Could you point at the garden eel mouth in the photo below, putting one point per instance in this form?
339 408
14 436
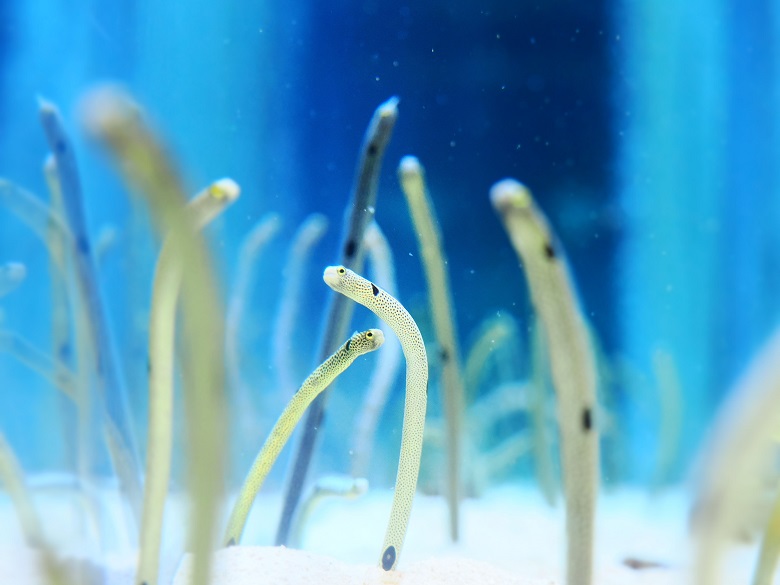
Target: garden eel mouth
387 308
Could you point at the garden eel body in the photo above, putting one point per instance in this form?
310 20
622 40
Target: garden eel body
360 290
740 449
572 364
770 548
112 117
411 176
111 386
380 259
57 245
319 380
54 370
162 331
360 212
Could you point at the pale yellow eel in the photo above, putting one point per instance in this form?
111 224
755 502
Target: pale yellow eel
382 381
572 364
319 380
387 308
740 449
13 482
412 178
770 547
206 206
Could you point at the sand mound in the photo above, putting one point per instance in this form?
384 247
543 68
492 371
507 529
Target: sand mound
257 565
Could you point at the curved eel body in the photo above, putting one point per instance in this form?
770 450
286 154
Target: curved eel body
360 212
319 380
345 281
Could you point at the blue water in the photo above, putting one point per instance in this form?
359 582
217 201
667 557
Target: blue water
647 130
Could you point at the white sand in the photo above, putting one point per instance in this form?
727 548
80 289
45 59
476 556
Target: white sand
509 536
281 566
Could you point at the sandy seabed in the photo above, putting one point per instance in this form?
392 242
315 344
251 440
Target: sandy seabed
508 536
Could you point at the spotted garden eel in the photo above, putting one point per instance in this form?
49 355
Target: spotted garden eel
109 377
12 274
380 259
360 212
206 206
572 364
319 380
12 481
770 548
740 449
112 117
412 178
345 281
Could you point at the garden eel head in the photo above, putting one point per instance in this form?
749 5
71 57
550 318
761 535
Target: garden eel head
365 341
224 190
510 198
352 285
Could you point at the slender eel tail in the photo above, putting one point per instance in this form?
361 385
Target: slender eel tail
357 345
205 207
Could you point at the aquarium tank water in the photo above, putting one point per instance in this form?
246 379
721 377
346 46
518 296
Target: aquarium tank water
389 292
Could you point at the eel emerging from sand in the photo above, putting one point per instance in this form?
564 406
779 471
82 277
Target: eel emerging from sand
572 363
319 380
12 481
204 208
345 281
111 117
426 226
360 213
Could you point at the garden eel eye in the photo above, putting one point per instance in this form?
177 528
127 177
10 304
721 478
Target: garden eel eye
342 270
369 335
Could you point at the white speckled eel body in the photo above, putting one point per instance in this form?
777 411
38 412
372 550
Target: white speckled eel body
388 309
572 363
